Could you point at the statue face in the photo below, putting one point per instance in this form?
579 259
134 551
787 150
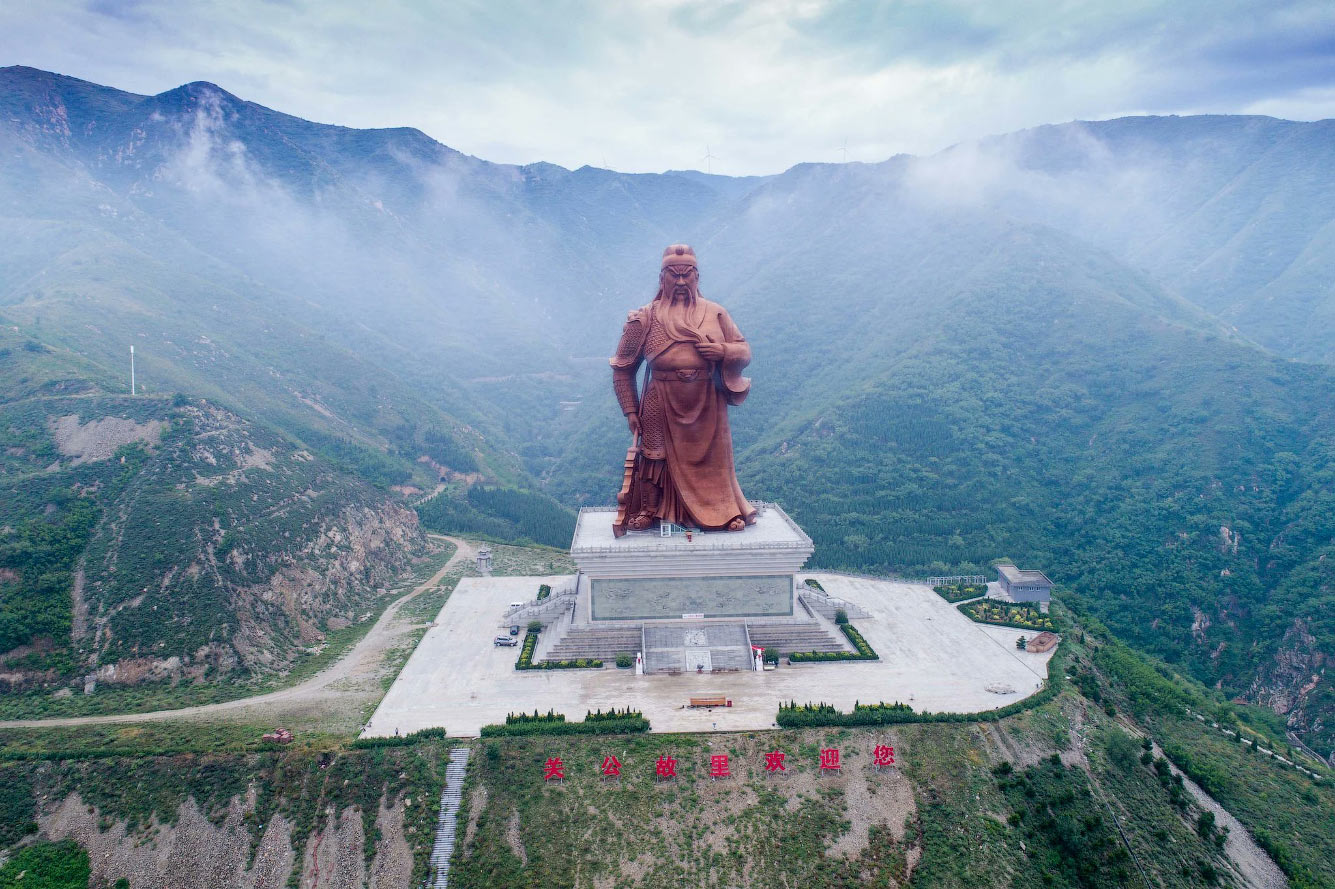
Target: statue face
680 280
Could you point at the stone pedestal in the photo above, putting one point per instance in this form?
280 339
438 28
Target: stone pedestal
712 575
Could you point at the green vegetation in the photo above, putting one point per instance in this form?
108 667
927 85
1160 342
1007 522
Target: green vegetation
864 651
613 722
503 513
525 661
1008 614
407 740
62 865
814 584
958 592
1284 809
1065 833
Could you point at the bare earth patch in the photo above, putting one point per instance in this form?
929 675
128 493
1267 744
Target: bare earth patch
99 439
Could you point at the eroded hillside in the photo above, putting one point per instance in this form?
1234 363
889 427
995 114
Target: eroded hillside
148 539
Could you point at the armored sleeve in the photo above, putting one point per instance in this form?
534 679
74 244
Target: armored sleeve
626 363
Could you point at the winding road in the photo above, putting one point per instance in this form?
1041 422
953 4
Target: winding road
362 660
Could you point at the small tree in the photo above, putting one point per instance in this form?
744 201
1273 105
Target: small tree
840 616
535 626
1022 644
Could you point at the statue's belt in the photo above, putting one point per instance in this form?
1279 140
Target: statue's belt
692 375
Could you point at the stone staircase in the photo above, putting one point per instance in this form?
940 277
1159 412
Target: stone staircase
447 821
793 636
603 643
541 609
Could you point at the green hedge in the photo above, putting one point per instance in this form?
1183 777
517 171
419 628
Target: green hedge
525 661
814 584
864 651
1039 622
794 715
614 722
958 592
398 740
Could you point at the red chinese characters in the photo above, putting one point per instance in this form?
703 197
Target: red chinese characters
554 770
883 756
611 767
665 767
829 759
718 766
774 761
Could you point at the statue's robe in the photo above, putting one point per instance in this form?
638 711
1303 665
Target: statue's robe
686 444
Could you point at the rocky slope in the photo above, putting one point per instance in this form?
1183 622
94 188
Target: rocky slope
210 547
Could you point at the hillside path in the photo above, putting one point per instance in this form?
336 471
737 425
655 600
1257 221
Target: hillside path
362 661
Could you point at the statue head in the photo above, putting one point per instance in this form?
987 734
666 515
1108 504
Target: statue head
679 277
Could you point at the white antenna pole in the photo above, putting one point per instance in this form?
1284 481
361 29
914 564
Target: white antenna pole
132 370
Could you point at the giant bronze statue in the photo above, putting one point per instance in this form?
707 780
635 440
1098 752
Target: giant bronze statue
679 467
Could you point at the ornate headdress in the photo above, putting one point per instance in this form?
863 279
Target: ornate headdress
679 254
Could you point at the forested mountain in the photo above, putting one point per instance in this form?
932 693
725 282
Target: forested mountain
1072 346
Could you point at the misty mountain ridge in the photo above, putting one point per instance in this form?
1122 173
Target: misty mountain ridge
1078 346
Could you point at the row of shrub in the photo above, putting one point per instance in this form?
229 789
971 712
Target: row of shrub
535 716
864 650
525 661
425 734
615 722
1007 614
794 715
958 592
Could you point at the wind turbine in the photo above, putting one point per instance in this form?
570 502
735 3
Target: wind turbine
709 160
844 149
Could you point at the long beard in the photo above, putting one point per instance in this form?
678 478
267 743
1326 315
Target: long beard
679 314
668 296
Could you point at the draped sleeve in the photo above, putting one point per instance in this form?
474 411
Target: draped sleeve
736 356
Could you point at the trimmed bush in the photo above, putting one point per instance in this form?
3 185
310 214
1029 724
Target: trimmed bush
1007 614
614 722
840 616
958 592
814 584
525 661
624 660
864 651
544 591
425 734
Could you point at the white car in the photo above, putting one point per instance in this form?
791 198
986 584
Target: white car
507 641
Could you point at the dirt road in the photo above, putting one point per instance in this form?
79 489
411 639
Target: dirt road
352 673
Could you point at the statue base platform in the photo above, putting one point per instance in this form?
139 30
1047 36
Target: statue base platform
689 576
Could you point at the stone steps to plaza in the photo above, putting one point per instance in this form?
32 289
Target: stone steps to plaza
603 643
446 822
790 637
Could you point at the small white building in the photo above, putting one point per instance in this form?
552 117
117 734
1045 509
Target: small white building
1024 586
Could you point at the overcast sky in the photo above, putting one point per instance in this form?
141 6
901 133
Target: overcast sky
646 86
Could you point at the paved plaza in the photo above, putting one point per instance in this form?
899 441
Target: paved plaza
932 657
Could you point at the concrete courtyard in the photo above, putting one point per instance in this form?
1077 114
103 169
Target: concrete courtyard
932 657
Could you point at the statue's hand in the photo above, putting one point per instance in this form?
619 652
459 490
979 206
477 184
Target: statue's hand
633 421
710 351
